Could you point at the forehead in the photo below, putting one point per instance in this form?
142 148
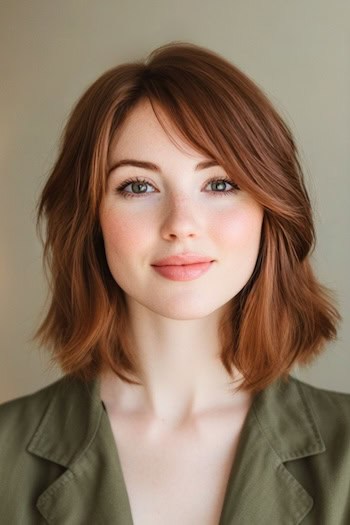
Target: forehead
142 135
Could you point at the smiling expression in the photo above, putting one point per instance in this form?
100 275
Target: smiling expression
179 202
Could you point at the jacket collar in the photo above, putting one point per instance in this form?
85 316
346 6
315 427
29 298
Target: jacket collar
70 422
279 427
75 433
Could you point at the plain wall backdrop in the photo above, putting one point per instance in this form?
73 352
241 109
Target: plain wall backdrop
298 52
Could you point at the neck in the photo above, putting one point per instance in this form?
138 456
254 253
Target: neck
181 373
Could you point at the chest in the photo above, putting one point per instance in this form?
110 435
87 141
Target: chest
179 477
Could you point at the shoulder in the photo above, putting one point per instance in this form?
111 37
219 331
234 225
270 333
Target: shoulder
31 401
40 434
330 411
28 404
326 403
68 408
20 417
296 416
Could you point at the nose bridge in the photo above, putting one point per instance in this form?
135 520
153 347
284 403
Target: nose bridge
181 215
180 206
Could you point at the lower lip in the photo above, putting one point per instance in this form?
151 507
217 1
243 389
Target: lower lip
185 272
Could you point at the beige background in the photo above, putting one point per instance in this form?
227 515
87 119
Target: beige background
52 50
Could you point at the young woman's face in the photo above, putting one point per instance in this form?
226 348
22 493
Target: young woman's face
171 211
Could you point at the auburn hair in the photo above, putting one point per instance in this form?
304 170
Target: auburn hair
283 315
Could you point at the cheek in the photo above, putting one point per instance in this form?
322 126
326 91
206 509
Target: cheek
122 235
240 228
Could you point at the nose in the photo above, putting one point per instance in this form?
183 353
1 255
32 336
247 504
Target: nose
181 219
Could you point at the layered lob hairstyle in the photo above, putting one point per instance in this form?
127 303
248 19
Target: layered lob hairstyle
282 317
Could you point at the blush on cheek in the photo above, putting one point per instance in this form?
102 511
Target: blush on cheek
122 232
241 225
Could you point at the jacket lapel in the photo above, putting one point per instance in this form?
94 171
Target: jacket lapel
279 427
75 433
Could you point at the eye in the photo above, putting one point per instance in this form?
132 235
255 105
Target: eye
221 183
137 184
140 186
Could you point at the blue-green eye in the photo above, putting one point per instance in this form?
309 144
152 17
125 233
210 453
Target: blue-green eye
140 186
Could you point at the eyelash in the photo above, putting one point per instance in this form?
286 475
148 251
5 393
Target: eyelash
127 194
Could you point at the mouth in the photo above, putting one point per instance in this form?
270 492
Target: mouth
183 259
183 272
182 264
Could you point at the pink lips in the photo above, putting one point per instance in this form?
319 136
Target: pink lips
184 267
183 258
187 272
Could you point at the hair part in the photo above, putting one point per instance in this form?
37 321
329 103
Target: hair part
283 316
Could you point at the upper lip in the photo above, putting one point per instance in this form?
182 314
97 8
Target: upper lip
182 258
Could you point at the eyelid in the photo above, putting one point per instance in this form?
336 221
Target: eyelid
221 176
126 194
143 180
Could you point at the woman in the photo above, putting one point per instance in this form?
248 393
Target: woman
178 241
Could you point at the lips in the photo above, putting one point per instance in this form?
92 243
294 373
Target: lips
182 259
183 272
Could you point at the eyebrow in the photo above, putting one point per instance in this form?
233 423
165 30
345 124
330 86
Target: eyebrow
153 167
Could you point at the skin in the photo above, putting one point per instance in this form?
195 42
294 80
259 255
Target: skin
174 324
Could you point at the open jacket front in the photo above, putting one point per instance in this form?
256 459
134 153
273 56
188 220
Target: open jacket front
59 463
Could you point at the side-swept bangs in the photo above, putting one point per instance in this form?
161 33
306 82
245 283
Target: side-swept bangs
282 317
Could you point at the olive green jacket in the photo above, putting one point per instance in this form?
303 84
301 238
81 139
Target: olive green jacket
59 463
